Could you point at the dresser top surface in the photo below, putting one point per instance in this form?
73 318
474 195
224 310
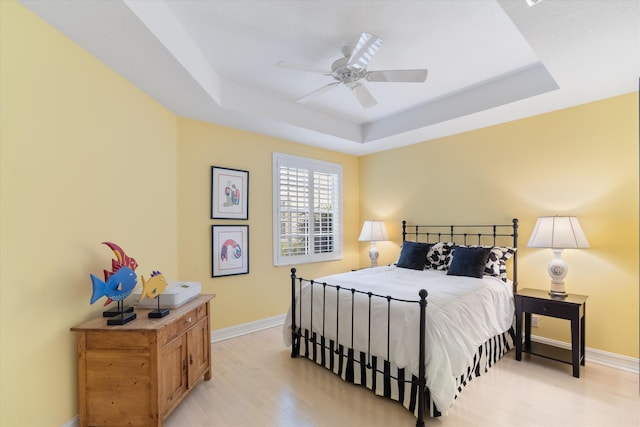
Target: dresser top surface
142 321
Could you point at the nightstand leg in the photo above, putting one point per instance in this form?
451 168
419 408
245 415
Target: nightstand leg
576 346
518 329
527 331
582 334
518 337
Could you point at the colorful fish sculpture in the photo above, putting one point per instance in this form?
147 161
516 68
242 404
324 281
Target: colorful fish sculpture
119 285
154 287
122 260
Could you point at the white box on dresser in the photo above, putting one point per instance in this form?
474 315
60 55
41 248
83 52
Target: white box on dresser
176 294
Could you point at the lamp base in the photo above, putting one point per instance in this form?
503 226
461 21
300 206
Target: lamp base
557 289
558 294
557 270
373 254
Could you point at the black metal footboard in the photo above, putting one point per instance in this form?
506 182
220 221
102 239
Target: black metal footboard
365 358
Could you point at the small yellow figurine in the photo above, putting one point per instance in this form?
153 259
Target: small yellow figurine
154 287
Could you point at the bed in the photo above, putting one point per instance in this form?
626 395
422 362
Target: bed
418 330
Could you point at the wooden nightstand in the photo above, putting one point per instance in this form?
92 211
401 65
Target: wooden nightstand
572 307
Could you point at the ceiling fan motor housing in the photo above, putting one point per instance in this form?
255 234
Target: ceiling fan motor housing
342 72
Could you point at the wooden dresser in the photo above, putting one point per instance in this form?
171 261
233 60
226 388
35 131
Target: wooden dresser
136 374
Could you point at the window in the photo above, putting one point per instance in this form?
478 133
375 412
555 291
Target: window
307 210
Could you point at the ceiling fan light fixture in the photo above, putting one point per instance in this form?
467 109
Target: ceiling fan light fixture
532 3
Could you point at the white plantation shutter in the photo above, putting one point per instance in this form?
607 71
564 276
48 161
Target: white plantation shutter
307 210
294 211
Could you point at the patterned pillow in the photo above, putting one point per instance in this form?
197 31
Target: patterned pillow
439 256
497 262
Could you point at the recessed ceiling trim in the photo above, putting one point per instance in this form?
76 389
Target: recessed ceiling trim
244 99
511 87
161 22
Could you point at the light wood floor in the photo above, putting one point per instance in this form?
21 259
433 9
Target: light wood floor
256 383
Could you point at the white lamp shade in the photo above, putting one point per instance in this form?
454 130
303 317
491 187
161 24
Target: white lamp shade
558 232
373 231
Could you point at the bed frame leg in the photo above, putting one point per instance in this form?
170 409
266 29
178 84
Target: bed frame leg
295 337
422 382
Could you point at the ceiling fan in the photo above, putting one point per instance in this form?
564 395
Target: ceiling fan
351 71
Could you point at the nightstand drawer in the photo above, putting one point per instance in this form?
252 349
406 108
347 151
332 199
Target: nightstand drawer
549 308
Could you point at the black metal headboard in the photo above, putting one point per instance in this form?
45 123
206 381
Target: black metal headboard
494 235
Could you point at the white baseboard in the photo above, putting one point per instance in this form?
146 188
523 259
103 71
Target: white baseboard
73 422
624 363
613 360
247 328
617 361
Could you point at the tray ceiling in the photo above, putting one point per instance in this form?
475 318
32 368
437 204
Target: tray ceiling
489 61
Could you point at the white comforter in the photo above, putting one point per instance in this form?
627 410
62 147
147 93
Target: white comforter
462 313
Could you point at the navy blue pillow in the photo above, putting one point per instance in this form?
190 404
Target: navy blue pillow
413 255
468 262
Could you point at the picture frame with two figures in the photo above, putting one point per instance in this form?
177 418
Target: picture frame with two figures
229 193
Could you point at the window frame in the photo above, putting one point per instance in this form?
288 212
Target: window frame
312 166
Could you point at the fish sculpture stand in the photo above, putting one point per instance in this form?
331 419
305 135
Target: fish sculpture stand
121 260
153 288
119 308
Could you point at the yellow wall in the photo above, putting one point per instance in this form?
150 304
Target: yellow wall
84 157
580 161
265 291
87 157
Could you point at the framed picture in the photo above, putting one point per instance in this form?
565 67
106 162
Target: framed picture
229 193
229 250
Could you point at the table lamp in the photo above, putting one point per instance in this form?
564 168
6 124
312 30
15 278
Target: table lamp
373 231
558 233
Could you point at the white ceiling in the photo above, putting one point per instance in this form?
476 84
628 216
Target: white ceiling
489 61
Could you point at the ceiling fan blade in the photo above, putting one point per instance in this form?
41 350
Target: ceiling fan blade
364 96
367 46
316 92
301 67
405 76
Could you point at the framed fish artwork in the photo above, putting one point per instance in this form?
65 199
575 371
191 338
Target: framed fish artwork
229 193
229 250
